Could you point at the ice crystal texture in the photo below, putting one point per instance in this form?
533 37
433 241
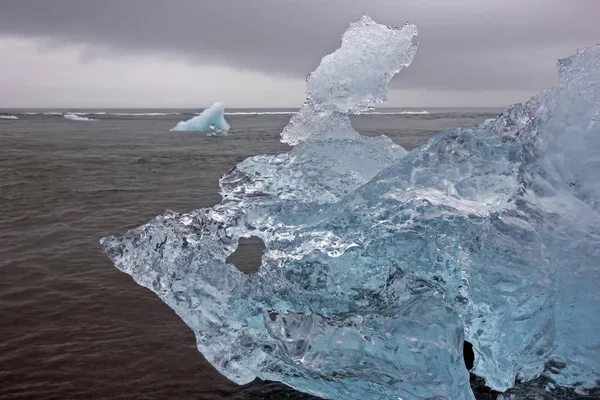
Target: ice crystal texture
378 262
351 79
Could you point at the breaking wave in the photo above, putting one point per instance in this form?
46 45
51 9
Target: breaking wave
398 112
73 117
261 113
144 114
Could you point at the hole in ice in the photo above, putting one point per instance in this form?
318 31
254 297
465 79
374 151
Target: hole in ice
468 355
248 255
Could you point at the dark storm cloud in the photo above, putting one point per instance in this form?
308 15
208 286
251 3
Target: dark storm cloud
464 44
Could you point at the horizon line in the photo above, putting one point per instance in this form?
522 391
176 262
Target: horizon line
233 108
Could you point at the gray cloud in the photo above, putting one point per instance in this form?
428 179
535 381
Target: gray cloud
464 44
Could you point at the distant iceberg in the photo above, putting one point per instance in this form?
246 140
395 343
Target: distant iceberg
8 117
211 121
73 117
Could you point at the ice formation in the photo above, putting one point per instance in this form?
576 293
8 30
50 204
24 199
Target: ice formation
8 117
211 121
330 97
378 262
74 117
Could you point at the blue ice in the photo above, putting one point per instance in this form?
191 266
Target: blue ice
211 121
379 262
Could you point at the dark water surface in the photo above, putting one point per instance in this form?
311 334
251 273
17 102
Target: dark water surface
73 326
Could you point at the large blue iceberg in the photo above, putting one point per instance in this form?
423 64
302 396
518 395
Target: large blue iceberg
210 121
380 263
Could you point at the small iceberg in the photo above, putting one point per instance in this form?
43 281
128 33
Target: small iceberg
8 117
73 117
210 121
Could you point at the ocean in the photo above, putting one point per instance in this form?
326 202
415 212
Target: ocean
72 325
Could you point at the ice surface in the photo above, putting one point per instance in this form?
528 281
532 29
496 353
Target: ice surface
351 79
379 263
8 117
313 172
211 121
74 117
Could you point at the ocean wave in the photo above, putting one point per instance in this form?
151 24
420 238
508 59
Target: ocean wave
89 113
398 112
53 113
261 113
150 114
8 117
158 114
73 117
133 114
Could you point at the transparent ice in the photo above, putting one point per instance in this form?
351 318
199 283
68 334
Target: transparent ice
380 263
351 79
210 121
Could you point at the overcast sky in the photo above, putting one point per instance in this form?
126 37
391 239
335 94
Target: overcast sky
256 53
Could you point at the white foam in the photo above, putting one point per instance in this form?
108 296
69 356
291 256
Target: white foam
398 112
89 113
150 114
295 112
8 117
261 113
73 117
414 112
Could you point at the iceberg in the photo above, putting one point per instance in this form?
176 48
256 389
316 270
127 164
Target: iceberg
8 117
380 263
74 117
210 121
